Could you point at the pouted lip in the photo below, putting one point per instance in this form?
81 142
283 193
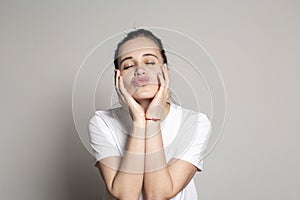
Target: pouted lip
141 80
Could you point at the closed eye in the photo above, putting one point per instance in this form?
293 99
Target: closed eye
127 67
150 63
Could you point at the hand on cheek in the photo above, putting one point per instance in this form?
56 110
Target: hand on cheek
126 100
157 105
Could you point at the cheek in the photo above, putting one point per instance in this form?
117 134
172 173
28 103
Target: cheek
154 74
127 78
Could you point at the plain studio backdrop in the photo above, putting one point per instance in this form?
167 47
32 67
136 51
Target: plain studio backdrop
255 45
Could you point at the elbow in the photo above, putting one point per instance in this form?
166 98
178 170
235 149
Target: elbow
113 194
124 195
157 195
163 192
153 196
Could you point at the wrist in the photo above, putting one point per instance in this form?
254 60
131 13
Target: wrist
154 119
139 122
155 112
152 128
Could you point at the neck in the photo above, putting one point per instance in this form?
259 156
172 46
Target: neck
146 102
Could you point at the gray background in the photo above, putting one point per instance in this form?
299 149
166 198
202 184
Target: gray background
254 43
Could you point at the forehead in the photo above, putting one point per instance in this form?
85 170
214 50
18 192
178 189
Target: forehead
139 44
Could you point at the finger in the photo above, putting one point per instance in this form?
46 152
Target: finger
162 83
117 75
164 89
164 74
163 67
117 80
120 95
167 76
130 102
122 88
161 80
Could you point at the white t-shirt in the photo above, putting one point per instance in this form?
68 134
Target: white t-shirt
185 135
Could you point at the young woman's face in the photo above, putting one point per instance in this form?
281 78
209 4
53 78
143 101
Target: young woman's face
140 61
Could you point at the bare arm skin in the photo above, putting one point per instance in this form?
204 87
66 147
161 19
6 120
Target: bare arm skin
143 167
162 181
123 177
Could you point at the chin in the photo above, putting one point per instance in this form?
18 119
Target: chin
145 93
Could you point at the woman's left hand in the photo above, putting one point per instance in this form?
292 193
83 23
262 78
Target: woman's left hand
157 105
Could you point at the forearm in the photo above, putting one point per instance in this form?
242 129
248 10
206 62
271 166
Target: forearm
157 180
128 181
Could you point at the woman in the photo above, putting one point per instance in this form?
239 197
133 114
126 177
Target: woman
150 148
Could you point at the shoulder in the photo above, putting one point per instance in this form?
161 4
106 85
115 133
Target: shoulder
107 115
191 115
115 120
107 118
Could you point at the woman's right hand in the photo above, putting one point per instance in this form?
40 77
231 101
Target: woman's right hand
136 111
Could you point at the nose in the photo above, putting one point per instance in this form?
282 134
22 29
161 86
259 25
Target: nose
140 70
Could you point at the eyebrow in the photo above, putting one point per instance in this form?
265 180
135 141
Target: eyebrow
144 55
127 58
150 54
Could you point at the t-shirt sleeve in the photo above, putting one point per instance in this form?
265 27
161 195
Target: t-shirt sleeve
199 129
101 138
